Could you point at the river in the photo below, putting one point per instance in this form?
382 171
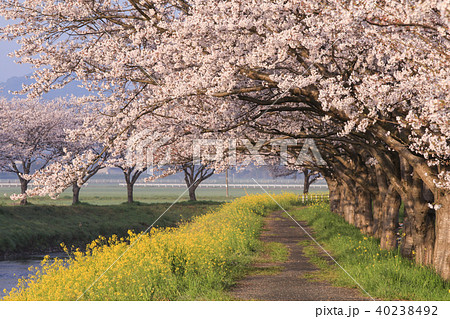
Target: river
12 270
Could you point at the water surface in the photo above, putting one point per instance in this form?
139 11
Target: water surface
12 270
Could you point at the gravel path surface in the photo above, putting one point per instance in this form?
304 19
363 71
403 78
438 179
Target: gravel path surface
289 283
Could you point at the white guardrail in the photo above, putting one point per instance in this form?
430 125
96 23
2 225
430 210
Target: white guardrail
205 185
314 197
9 184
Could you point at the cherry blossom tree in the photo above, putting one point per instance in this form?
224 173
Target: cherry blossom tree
309 176
80 159
194 175
374 74
32 134
89 172
68 172
131 166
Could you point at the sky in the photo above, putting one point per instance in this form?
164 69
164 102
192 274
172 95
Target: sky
8 68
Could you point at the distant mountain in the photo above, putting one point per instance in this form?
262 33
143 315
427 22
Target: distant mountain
15 84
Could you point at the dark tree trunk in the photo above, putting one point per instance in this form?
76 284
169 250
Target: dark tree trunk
23 190
306 185
377 206
407 243
356 194
130 193
334 193
380 205
75 193
342 194
420 218
335 199
309 177
192 193
391 206
131 175
441 257
26 167
349 202
386 207
189 178
423 230
193 176
364 214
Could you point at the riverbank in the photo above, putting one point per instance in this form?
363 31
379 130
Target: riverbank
13 270
199 260
33 229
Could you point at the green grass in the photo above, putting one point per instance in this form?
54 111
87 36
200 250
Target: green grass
384 275
96 194
199 260
264 271
268 253
273 252
315 255
39 228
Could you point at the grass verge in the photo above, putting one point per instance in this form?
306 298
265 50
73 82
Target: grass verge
383 274
198 260
25 229
272 252
267 261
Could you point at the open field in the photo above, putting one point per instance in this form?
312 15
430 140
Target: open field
114 194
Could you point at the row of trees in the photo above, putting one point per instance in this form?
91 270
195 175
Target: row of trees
367 80
40 140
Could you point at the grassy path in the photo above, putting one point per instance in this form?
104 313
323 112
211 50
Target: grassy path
288 280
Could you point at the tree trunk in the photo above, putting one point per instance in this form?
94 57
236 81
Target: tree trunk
333 188
423 231
391 206
377 206
379 202
193 176
130 192
387 202
420 219
349 203
306 184
441 257
407 244
364 214
341 203
421 223
192 193
23 190
75 193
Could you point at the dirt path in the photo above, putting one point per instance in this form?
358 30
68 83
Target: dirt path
289 283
